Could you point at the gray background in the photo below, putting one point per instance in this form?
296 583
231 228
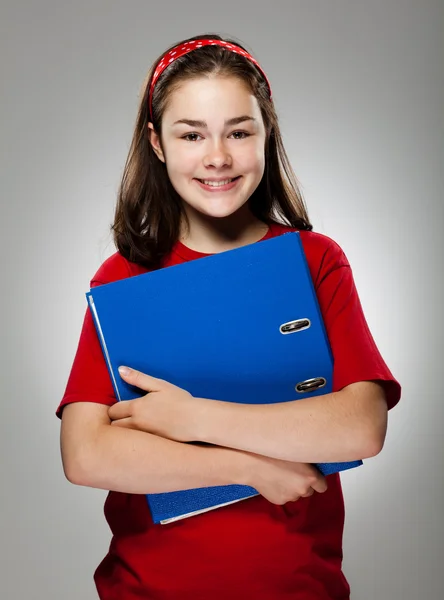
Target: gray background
359 90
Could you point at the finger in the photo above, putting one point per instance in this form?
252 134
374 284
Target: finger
127 423
308 493
141 380
121 410
294 499
320 485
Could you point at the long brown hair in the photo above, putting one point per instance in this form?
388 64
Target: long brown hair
149 210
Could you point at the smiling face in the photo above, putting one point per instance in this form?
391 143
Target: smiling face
212 142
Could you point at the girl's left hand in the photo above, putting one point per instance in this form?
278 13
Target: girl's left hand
167 411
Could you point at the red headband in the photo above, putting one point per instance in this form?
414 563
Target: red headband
182 49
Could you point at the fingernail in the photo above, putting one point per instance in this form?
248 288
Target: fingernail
124 370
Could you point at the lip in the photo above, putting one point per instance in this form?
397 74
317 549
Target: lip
219 188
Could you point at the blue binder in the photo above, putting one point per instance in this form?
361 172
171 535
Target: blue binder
240 326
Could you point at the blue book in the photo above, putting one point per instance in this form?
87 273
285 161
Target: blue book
239 326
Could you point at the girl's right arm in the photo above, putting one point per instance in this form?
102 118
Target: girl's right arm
95 454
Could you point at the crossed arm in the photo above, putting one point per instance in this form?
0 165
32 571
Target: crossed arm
346 425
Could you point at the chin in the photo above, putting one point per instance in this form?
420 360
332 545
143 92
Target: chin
215 207
220 213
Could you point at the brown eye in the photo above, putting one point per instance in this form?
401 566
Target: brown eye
240 135
191 135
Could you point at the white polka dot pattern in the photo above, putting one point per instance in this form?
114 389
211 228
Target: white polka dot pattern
179 51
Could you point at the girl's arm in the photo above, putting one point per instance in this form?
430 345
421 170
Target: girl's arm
94 454
342 426
97 455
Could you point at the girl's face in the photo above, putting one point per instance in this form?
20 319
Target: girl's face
213 141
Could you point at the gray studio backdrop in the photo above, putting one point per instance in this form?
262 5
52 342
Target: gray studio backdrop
359 90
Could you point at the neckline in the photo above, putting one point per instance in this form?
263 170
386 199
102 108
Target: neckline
190 254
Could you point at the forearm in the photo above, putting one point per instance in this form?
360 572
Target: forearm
342 426
135 462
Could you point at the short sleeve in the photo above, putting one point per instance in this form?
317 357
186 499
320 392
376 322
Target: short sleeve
89 379
355 354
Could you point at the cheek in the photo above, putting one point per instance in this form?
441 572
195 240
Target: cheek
253 159
260 158
181 161
254 163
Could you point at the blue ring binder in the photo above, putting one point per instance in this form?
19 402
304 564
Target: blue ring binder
267 284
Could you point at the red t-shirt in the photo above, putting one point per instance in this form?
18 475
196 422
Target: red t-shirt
250 549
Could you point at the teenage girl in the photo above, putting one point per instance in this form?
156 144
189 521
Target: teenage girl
207 172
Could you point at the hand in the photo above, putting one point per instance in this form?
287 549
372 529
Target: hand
282 481
167 410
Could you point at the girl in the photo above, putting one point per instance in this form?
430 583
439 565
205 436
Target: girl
207 172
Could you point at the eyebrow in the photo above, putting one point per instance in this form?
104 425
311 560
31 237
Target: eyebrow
203 125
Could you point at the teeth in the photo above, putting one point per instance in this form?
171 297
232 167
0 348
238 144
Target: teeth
216 183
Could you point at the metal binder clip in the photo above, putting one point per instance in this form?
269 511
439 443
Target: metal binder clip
293 326
310 385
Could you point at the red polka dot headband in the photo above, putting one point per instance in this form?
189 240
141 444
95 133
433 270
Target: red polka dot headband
186 47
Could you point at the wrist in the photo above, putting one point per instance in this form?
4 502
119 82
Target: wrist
200 416
213 419
236 467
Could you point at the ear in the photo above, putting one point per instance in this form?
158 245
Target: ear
155 142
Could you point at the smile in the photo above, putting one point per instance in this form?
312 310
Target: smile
222 185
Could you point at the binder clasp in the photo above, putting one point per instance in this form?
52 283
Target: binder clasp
293 326
310 385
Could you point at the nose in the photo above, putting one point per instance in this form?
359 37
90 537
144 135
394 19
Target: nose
217 155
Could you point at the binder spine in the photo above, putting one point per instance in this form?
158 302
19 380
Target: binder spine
315 297
102 342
